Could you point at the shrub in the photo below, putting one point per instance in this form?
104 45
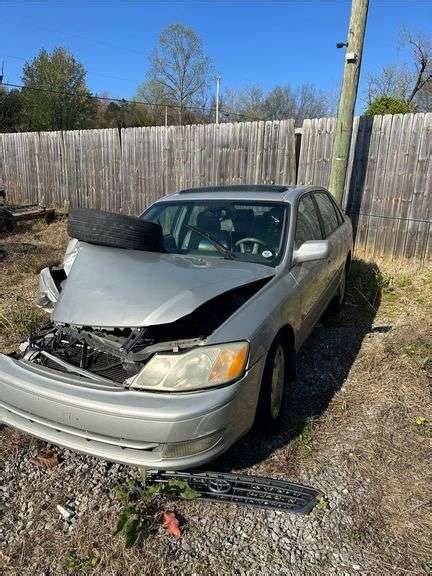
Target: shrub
388 105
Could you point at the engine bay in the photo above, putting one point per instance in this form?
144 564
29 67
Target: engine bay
117 354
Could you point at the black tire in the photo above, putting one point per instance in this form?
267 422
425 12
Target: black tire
115 230
7 221
266 420
339 298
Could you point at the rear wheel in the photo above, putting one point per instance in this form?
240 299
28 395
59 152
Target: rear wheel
339 298
273 387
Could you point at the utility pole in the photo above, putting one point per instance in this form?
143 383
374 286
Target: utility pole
217 99
348 95
166 116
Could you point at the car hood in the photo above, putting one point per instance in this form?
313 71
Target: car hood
111 287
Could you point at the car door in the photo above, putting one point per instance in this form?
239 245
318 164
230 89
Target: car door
330 220
310 276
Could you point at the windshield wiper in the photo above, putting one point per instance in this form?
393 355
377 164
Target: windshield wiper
219 247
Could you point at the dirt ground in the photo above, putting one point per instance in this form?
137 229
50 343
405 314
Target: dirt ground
358 427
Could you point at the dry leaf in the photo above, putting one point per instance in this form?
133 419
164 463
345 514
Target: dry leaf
45 460
172 524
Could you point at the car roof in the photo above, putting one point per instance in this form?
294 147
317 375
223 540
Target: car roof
244 192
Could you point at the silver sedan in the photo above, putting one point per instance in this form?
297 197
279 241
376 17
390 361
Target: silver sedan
164 357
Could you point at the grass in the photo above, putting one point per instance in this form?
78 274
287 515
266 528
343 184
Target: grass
304 438
21 319
35 246
386 408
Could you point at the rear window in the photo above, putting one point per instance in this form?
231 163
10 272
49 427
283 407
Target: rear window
328 213
308 226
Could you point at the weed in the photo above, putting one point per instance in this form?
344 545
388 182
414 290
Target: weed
21 319
344 407
38 225
141 514
80 564
383 281
421 352
368 282
323 505
358 536
304 438
423 427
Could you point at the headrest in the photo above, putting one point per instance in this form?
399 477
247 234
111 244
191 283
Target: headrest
245 215
208 221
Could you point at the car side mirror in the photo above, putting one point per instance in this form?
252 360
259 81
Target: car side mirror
312 250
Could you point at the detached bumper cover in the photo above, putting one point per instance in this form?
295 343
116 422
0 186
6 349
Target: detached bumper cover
133 427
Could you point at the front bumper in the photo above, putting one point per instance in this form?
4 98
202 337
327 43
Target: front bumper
127 426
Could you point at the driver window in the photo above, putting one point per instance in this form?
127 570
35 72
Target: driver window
308 225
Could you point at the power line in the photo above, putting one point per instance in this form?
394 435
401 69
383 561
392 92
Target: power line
202 109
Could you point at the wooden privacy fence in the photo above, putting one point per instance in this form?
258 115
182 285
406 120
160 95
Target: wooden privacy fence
127 170
388 191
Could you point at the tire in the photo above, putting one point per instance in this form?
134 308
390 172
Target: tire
7 221
115 230
339 298
270 405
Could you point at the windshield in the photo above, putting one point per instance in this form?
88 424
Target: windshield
247 230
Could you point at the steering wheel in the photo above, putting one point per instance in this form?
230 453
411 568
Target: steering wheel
256 243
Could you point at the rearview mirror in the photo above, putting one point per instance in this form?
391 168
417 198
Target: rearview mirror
311 250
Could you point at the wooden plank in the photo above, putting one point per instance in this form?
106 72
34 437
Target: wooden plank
420 213
363 174
388 205
405 148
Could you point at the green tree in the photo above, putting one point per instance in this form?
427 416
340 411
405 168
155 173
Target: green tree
114 113
10 110
388 105
55 95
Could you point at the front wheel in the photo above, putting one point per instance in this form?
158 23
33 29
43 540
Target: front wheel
273 388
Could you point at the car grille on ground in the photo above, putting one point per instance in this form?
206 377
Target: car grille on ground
246 490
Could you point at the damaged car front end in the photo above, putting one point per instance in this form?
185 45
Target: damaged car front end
143 382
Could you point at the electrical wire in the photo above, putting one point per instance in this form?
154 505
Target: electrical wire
202 109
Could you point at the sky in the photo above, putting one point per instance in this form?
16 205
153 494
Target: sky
251 42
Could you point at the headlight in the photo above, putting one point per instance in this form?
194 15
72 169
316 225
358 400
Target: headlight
199 368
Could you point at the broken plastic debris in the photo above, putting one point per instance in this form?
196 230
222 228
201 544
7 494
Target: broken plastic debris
23 346
65 512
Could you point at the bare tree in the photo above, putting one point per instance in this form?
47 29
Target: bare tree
179 69
247 102
410 83
279 103
310 102
421 51
395 80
